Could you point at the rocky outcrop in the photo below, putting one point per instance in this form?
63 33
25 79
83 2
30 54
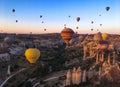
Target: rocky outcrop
112 74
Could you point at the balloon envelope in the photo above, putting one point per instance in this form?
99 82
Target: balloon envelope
13 10
64 25
44 29
78 19
16 21
67 34
32 54
92 22
40 16
107 8
104 36
77 27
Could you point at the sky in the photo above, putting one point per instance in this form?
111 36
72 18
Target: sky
55 14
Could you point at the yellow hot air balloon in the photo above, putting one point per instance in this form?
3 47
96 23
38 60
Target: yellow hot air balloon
95 38
104 36
67 34
32 54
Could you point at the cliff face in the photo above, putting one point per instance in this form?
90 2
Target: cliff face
112 75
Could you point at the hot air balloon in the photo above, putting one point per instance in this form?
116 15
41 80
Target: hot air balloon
91 29
13 10
92 22
64 25
67 34
69 16
44 29
40 16
99 14
42 21
103 45
104 36
100 24
77 27
78 19
32 54
16 21
30 32
107 8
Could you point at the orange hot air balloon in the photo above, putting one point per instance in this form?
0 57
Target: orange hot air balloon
67 34
32 54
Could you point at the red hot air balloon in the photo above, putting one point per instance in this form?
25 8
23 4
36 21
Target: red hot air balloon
67 34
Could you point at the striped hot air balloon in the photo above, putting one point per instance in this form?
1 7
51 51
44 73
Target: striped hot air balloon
67 34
